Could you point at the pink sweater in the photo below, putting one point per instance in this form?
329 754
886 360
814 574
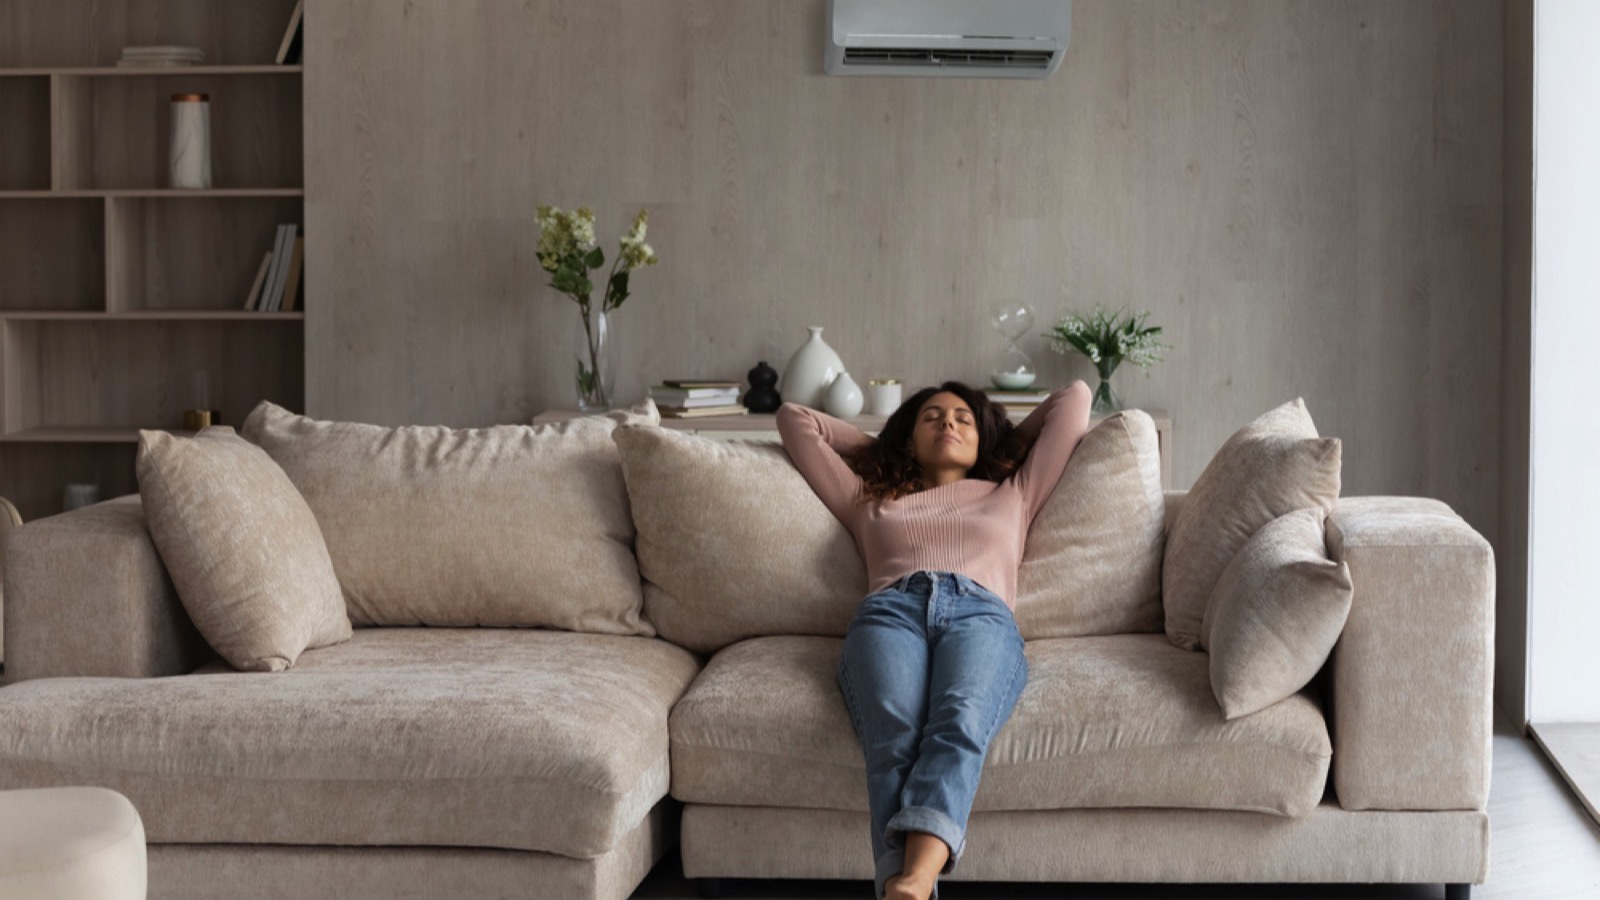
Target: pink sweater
974 527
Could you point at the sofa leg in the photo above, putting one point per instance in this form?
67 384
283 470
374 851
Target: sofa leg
712 887
1458 892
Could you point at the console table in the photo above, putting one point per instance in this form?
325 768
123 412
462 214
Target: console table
764 427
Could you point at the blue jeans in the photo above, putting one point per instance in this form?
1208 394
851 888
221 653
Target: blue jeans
932 667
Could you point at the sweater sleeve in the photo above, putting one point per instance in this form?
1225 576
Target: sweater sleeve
1053 431
815 442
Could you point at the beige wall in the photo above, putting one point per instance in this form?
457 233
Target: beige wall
1308 195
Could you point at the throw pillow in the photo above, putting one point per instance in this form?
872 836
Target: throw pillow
505 526
733 543
1278 609
1092 563
242 547
1270 467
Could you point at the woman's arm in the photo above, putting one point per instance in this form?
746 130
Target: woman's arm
1051 432
816 443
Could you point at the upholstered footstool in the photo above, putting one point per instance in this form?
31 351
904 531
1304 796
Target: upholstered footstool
71 843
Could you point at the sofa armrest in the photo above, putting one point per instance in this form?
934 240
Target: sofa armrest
1412 708
87 594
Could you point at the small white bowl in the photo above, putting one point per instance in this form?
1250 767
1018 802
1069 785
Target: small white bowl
1013 381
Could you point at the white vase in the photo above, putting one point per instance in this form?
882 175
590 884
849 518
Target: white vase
844 397
189 156
810 370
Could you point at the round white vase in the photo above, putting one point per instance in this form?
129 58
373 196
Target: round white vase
810 370
844 397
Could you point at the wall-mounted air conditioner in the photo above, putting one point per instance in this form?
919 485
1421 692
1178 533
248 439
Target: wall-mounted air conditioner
947 38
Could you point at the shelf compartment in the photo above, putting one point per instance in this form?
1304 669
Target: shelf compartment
35 235
99 378
178 253
37 474
24 134
93 32
255 130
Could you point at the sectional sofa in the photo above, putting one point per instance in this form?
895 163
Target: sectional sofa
577 648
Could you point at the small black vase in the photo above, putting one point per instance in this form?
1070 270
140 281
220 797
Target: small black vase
763 394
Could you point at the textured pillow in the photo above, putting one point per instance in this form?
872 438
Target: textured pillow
1092 564
733 543
512 525
1276 614
242 547
1270 467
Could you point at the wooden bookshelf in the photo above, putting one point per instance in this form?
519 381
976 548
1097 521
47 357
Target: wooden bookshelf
116 290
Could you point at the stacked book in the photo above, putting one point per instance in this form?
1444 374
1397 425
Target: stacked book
277 284
158 57
1017 401
687 398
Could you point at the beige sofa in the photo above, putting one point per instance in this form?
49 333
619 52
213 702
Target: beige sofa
536 762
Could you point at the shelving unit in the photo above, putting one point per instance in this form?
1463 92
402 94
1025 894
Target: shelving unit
115 290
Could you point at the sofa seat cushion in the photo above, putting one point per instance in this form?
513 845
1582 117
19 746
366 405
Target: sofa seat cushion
514 739
1104 721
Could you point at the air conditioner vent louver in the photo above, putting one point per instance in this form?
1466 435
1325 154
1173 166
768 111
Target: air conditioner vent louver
907 56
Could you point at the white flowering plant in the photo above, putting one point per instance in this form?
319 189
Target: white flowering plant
1108 340
568 250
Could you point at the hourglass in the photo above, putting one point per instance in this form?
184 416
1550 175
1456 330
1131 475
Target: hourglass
1014 371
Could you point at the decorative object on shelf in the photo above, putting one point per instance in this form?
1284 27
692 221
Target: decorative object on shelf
1015 369
1108 340
763 396
190 157
883 396
159 57
844 397
567 248
77 495
810 370
197 419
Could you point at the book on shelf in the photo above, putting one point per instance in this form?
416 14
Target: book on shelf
1016 397
680 396
289 47
159 57
254 297
292 289
679 412
272 294
688 384
695 402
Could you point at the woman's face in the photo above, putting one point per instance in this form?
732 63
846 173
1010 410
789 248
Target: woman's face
946 434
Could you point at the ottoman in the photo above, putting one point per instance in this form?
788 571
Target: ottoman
70 843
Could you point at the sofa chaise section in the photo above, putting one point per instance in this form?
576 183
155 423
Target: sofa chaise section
491 758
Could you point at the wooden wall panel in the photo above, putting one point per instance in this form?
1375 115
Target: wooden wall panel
1306 194
1511 563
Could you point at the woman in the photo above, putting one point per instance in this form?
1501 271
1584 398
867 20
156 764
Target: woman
939 504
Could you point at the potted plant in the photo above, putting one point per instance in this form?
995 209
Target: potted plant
567 249
1108 340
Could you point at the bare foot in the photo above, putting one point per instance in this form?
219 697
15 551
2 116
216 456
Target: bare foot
903 887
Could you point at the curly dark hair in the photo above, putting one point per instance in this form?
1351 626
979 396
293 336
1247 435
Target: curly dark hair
888 470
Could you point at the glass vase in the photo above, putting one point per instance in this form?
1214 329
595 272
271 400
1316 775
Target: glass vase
595 372
1106 400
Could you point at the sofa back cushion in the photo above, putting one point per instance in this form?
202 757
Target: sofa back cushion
733 543
1092 563
243 549
1272 466
511 525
